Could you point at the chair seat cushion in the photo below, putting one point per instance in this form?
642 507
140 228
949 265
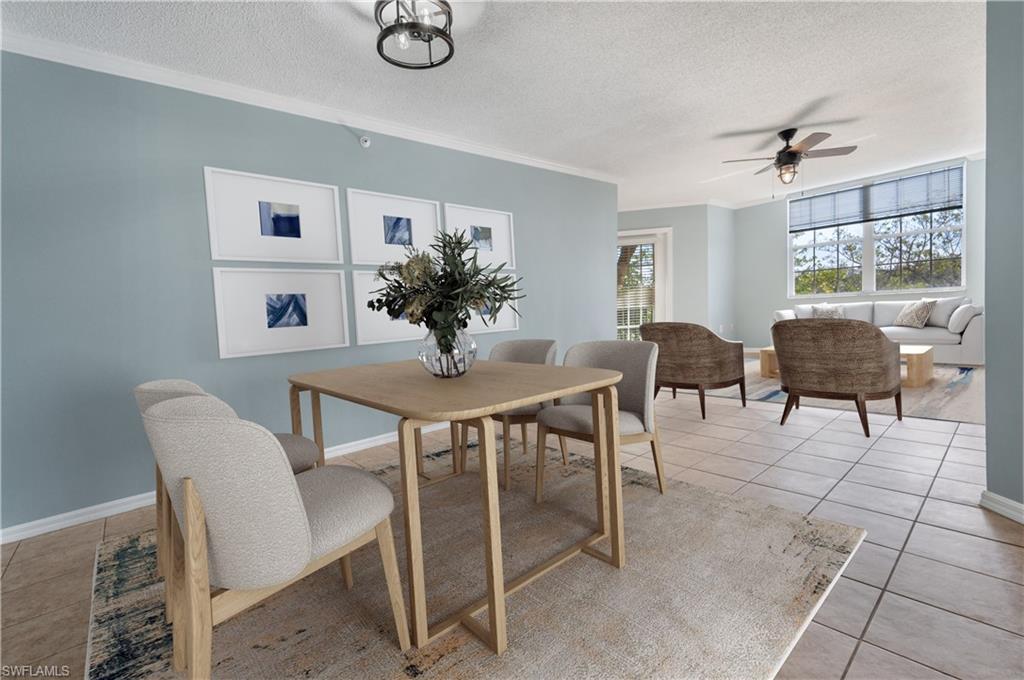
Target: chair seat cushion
580 418
302 452
342 502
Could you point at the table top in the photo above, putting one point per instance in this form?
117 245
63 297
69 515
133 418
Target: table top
489 387
915 349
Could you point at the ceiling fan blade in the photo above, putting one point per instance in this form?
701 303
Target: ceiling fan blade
835 151
765 168
745 160
811 140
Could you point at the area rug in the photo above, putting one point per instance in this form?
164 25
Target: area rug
714 586
955 393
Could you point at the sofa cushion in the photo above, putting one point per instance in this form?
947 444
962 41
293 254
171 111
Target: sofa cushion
827 311
962 316
803 311
783 314
944 308
915 314
886 311
859 311
929 335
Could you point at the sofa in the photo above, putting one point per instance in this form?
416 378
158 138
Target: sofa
955 328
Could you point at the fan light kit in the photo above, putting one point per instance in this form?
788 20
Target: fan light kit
789 157
415 34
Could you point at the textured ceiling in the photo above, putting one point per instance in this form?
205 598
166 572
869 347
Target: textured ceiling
644 92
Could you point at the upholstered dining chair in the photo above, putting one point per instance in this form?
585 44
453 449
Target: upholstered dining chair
241 537
693 357
573 417
837 359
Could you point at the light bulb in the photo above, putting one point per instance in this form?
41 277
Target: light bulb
423 13
787 173
402 38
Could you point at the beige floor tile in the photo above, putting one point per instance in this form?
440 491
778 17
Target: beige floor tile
909 423
831 450
708 480
909 448
777 497
775 441
90 532
972 474
789 429
731 467
871 564
907 482
879 419
920 436
743 422
848 606
796 481
753 452
720 432
854 426
970 552
966 456
976 596
677 455
897 461
694 441
944 641
845 438
668 424
964 441
133 522
42 636
971 430
76 559
874 663
817 465
821 653
959 492
886 501
977 521
41 597
882 529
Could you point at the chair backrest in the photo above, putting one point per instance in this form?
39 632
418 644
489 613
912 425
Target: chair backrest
525 351
689 353
636 360
155 391
258 534
836 355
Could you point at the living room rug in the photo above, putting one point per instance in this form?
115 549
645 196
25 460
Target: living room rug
714 586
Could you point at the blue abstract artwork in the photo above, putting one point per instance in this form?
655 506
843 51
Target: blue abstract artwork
397 231
286 310
481 237
279 219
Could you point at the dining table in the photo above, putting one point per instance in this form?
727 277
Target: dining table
419 399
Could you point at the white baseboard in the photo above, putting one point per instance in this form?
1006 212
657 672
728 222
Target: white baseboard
1003 506
20 532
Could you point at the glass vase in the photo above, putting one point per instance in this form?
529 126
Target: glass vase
448 364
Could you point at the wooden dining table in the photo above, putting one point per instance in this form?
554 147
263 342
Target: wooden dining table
490 387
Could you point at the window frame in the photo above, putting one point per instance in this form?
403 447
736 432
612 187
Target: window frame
661 237
868 278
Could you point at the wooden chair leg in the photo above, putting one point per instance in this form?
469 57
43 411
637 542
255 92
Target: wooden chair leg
899 405
419 451
464 444
386 543
673 393
743 391
167 533
542 443
564 446
524 429
700 396
862 411
790 400
345 563
179 606
797 402
197 587
161 544
456 448
658 467
506 440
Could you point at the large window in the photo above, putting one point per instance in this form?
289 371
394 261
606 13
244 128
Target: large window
635 290
898 234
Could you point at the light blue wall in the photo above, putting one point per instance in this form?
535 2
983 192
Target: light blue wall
722 271
1004 333
106 265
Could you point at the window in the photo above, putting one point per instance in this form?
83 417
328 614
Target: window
897 234
635 289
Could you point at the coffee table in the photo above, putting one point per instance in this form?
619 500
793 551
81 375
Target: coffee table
769 363
920 364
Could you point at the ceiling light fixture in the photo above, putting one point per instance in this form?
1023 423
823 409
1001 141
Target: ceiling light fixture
415 34
787 173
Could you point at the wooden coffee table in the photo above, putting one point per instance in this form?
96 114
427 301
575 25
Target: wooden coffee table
769 363
920 365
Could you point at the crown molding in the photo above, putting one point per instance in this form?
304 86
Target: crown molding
666 206
92 60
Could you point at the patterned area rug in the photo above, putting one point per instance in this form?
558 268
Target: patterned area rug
714 586
955 393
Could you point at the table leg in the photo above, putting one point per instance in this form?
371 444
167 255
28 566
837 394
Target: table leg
492 534
318 425
611 399
413 531
600 457
456 449
296 406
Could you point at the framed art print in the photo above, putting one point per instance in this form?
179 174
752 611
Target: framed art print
374 327
270 311
271 219
490 231
507 320
382 226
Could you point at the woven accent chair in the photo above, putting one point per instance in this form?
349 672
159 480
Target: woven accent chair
692 357
302 454
573 417
837 359
241 537
522 352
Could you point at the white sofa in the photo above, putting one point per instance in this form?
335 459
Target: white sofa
959 346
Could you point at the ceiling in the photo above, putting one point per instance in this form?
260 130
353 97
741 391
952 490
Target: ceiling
645 94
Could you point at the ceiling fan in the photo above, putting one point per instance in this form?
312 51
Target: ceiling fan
788 158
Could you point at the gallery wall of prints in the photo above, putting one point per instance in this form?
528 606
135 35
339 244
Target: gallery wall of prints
258 218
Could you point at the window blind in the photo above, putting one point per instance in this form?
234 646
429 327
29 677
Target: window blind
899 197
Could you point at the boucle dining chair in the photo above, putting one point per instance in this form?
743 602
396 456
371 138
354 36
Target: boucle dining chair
573 417
693 357
837 359
241 537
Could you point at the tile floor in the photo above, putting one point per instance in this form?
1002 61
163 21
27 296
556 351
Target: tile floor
936 590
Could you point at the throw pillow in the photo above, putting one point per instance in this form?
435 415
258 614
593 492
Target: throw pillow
944 308
915 314
827 311
962 316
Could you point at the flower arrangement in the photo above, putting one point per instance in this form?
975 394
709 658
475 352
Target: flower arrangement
442 287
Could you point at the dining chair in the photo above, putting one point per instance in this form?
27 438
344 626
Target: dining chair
837 359
693 357
239 538
574 418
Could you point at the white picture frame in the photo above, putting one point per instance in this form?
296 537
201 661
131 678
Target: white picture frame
373 327
507 321
241 211
245 326
499 226
376 231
